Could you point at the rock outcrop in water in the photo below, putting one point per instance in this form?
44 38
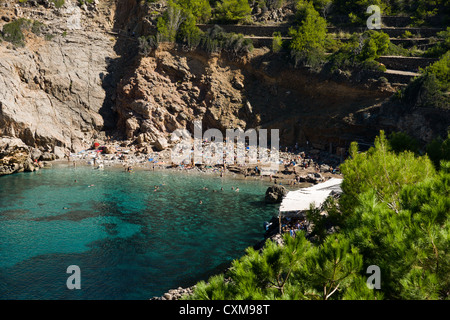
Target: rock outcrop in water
15 156
275 194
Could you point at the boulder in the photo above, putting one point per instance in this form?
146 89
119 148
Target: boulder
238 84
312 178
109 150
46 164
29 166
161 144
59 152
275 194
14 154
168 296
47 156
35 153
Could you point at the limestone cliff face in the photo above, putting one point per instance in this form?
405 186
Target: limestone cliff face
52 90
168 91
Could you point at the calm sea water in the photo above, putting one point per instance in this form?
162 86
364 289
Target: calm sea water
129 241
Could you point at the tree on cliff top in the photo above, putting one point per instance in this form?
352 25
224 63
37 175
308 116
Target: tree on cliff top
180 19
200 9
233 11
308 40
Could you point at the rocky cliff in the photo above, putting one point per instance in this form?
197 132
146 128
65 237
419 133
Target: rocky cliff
52 90
171 88
78 77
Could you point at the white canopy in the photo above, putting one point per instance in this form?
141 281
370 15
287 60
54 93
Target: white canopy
301 199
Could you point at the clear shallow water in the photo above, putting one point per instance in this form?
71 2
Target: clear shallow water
129 241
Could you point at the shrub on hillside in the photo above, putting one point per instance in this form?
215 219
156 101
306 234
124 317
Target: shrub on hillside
424 91
361 52
13 31
277 42
439 150
400 142
200 9
308 40
233 11
442 46
431 88
179 21
216 40
441 69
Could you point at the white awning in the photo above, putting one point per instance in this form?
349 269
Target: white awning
301 199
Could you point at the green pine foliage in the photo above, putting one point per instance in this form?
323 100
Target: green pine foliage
308 40
442 46
430 90
381 170
233 11
361 52
441 69
200 9
400 141
296 270
439 150
393 213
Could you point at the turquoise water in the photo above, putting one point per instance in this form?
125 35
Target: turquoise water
129 241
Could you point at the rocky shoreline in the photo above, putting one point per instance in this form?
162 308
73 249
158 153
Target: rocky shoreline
16 156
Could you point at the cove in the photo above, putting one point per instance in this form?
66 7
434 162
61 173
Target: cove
130 241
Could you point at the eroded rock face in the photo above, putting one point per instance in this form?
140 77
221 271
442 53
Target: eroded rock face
15 156
172 88
52 91
169 91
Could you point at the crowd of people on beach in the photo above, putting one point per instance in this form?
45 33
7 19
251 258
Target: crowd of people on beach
294 161
292 225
